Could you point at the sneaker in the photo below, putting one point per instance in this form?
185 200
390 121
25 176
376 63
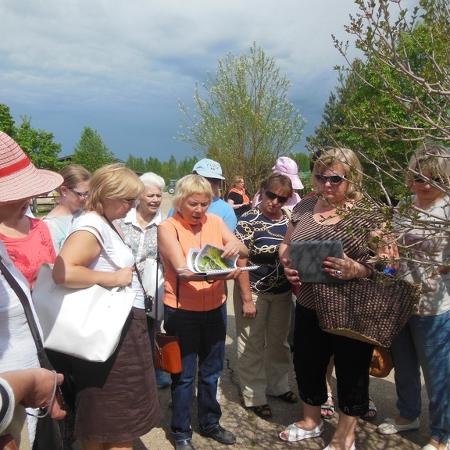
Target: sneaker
219 434
389 426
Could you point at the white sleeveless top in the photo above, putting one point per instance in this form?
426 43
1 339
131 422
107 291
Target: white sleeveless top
115 254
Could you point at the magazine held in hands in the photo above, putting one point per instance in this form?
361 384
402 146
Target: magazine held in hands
208 260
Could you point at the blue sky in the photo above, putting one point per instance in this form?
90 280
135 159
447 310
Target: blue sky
121 67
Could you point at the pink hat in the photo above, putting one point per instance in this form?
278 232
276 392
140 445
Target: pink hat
287 166
19 178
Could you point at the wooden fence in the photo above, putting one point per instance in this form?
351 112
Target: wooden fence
44 203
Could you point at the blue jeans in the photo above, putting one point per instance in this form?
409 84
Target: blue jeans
424 342
202 337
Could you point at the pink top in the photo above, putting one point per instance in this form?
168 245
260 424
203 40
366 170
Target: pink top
30 252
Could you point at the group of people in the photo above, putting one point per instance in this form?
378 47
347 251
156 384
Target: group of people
108 225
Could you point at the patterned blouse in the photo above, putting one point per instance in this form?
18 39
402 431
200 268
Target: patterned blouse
353 231
143 242
263 236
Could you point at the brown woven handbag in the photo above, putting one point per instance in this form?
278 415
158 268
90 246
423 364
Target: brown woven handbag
369 310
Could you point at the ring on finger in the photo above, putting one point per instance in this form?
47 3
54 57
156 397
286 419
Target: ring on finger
338 273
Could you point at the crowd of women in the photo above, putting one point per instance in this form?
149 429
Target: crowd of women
108 228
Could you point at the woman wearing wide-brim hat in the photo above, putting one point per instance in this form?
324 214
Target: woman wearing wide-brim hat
26 239
25 245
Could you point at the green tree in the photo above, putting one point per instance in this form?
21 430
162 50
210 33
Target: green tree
243 117
39 145
91 152
397 98
6 120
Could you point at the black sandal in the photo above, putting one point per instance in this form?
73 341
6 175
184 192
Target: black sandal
262 411
288 397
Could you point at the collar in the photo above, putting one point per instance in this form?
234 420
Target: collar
185 223
131 218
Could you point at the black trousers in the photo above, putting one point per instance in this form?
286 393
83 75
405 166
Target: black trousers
313 349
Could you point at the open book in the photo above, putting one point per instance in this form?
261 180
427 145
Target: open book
208 261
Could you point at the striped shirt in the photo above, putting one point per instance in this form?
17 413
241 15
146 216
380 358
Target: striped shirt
352 230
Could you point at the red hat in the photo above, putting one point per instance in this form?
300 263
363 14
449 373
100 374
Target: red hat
19 178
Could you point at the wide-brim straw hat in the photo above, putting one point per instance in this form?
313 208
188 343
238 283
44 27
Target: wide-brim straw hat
19 178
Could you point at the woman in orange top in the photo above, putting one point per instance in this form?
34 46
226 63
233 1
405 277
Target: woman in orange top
195 308
237 197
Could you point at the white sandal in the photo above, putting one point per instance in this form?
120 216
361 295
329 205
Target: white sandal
295 433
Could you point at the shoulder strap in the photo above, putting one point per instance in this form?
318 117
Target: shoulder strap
15 286
147 298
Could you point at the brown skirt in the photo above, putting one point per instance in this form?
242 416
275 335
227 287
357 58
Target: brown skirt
117 400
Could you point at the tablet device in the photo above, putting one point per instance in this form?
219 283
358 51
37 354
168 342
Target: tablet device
307 257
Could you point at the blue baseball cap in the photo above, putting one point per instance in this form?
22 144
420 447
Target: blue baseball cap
208 168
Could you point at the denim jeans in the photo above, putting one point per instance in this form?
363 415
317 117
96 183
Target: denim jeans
202 338
424 342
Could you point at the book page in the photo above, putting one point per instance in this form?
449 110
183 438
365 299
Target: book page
210 258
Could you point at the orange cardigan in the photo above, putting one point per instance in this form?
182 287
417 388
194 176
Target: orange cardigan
193 295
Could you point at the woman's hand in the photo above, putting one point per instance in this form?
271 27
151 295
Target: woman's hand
230 249
344 268
248 309
123 277
291 274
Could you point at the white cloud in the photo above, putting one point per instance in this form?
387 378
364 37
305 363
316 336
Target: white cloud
134 40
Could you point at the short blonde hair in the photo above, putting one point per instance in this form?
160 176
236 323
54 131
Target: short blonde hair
190 185
113 181
431 160
349 161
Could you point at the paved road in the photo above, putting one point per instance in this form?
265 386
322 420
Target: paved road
255 433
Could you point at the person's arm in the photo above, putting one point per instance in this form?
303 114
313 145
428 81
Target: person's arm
172 253
33 388
78 252
283 252
233 198
232 245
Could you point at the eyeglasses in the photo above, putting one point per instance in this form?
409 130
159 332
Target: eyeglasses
333 179
272 196
80 194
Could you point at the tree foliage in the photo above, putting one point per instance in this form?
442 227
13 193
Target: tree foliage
396 97
38 144
91 152
171 169
243 117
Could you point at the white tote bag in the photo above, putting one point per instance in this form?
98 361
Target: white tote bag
149 280
85 323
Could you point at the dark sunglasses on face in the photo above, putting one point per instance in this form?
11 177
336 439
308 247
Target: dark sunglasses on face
333 179
80 194
272 196
423 180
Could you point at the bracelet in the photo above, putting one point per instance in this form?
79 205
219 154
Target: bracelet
45 410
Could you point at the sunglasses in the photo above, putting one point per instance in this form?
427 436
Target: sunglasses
80 194
423 180
272 196
333 179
